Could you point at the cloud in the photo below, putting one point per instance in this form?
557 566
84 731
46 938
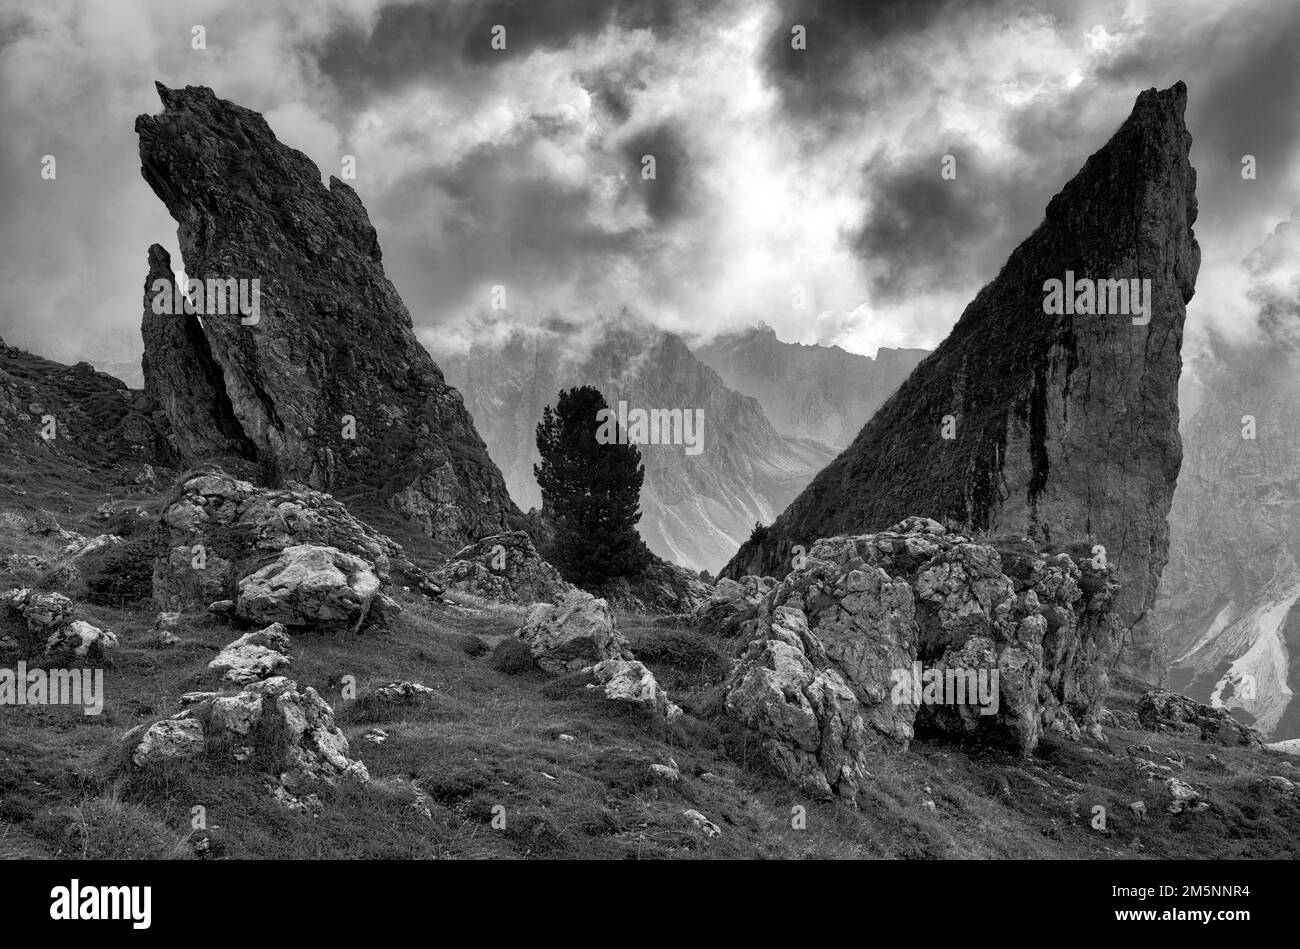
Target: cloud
782 174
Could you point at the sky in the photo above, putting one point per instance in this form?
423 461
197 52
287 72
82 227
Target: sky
779 172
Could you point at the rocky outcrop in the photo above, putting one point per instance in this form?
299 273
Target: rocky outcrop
323 377
878 638
661 588
731 604
1161 710
225 539
73 416
270 724
573 634
1061 428
506 568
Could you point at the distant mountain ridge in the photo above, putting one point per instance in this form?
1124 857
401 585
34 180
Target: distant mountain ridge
821 392
1230 600
696 509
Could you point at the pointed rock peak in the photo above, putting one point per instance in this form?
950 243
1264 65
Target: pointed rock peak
305 351
1051 410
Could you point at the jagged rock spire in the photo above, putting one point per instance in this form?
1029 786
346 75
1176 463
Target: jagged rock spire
1061 426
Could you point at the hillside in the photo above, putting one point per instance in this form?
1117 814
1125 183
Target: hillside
494 736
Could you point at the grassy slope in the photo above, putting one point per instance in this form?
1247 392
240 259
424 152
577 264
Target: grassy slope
491 738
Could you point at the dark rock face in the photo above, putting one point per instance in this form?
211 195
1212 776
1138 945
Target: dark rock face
326 381
1063 428
181 378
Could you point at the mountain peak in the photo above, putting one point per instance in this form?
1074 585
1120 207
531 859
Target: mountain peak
1059 425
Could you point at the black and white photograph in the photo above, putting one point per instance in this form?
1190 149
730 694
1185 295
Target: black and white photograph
563 432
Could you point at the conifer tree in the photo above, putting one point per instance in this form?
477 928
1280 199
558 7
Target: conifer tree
590 491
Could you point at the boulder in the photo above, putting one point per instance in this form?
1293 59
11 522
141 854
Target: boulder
44 612
397 692
572 634
731 604
504 567
288 732
626 680
310 585
168 740
218 529
254 656
1161 710
80 640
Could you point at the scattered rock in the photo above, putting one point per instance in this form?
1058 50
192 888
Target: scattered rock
702 824
1185 797
573 634
254 656
505 568
666 772
44 612
168 740
1161 710
1139 809
624 680
80 640
291 732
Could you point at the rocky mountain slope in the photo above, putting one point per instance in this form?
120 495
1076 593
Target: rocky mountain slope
54 416
696 507
326 382
1063 427
1228 599
819 392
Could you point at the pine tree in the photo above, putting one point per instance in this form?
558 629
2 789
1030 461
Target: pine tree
590 491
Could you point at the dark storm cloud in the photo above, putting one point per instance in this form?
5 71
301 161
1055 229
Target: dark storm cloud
414 41
668 196
491 218
916 212
1243 81
839 34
